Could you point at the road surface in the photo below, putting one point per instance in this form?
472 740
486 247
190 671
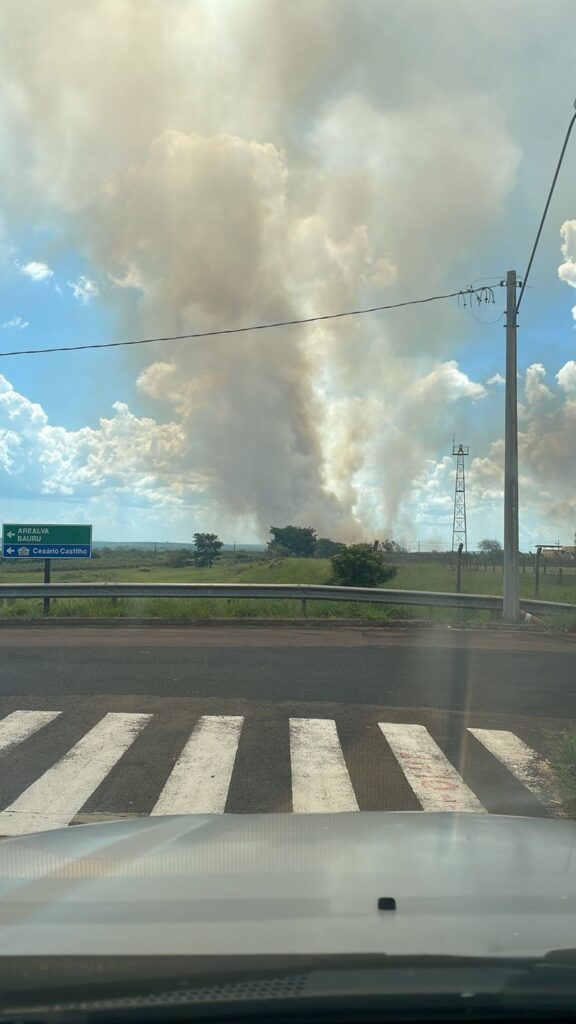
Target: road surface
103 722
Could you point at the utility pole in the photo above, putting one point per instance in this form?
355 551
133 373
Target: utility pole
511 605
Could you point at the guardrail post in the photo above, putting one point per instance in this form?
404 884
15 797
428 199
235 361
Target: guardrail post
304 605
537 557
559 575
459 568
46 580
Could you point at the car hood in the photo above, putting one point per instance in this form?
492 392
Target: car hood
464 884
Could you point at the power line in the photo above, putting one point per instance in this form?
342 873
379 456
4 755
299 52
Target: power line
543 218
242 330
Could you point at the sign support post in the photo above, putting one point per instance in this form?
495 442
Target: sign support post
46 580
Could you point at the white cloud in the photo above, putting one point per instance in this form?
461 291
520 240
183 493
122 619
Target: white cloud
447 383
126 460
35 270
566 377
16 322
567 269
83 289
496 378
535 389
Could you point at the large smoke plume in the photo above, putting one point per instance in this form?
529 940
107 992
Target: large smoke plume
220 163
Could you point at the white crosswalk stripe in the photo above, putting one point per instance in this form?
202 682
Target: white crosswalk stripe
434 780
320 779
54 799
532 770
201 777
19 725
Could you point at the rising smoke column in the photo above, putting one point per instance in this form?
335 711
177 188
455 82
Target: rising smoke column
206 160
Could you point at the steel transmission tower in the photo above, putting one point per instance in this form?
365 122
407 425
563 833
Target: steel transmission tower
459 535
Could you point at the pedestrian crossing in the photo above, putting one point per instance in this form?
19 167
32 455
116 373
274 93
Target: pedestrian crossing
430 774
200 772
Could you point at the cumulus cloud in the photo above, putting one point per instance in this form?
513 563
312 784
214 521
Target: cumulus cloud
567 269
566 377
535 389
35 270
16 322
83 289
126 460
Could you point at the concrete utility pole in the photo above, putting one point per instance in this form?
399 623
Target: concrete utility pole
511 606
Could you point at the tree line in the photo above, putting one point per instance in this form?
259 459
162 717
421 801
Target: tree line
354 565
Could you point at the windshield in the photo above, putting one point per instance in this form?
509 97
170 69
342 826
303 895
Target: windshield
287 435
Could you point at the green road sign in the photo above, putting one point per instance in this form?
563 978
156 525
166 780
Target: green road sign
46 540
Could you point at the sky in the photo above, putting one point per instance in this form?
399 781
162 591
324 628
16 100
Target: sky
179 166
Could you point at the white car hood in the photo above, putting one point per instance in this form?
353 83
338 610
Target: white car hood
464 884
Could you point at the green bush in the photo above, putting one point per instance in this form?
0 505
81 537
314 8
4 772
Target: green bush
360 566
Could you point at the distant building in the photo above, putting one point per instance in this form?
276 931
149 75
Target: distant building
558 553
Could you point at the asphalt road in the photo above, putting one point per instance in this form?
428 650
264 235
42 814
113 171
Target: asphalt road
101 721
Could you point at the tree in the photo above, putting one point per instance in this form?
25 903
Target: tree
490 547
297 540
207 549
392 547
360 566
326 548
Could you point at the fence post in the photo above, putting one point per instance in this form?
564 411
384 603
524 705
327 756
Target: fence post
537 571
46 580
559 575
459 568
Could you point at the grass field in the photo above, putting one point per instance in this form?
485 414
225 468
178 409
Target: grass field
422 576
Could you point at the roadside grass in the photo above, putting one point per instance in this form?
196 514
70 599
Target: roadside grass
565 765
237 608
410 576
424 576
561 622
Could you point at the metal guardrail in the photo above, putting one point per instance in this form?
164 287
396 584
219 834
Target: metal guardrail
279 591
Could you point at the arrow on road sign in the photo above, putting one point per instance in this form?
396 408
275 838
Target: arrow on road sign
10 534
10 551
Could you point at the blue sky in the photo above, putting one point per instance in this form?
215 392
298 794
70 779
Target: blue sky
194 189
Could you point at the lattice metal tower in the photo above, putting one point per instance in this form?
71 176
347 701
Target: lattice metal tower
459 535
